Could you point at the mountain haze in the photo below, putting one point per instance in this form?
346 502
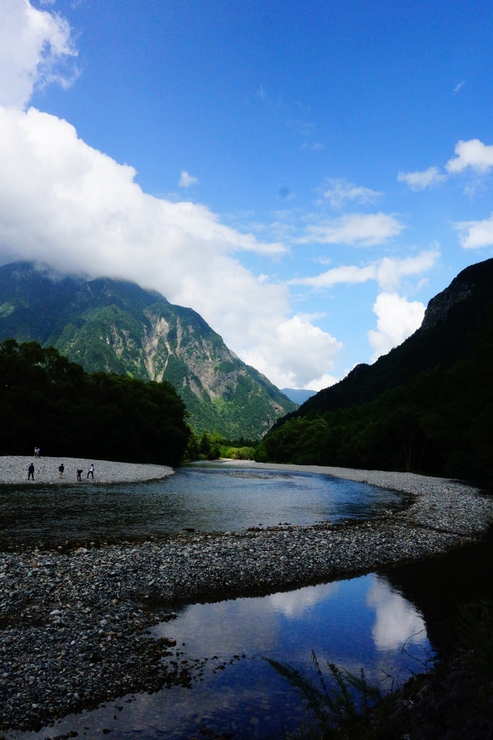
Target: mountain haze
119 327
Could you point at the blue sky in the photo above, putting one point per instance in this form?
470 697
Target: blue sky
305 175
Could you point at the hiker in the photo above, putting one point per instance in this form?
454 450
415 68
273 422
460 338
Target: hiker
79 475
30 472
90 472
61 470
37 452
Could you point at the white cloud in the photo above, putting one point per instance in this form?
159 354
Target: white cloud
398 318
459 86
34 44
67 204
388 271
186 180
340 191
391 270
349 274
472 153
421 180
295 355
475 234
364 229
64 203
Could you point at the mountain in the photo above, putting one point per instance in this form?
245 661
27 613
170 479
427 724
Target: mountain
298 395
448 333
119 327
426 406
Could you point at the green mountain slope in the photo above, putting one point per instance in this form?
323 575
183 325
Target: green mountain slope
121 328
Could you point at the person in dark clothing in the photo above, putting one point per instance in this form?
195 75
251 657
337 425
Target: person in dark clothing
79 475
30 472
61 470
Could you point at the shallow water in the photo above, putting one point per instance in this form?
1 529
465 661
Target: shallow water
358 623
205 498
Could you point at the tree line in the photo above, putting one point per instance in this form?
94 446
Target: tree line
50 402
439 422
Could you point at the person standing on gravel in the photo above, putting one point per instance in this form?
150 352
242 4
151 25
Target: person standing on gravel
61 470
90 472
30 472
79 475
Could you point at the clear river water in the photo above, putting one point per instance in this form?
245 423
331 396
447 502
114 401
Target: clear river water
390 623
199 497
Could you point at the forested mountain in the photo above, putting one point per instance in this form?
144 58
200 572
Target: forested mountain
117 327
427 406
448 333
48 401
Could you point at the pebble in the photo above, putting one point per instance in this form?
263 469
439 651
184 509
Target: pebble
76 622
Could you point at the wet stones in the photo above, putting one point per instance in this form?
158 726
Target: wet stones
75 623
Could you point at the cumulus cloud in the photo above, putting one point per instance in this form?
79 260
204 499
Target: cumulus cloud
339 192
361 229
421 180
388 271
67 204
296 355
475 234
186 180
34 45
391 270
473 154
398 318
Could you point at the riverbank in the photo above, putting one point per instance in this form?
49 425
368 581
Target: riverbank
75 621
14 471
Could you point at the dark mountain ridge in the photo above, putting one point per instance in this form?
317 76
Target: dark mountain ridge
448 332
425 407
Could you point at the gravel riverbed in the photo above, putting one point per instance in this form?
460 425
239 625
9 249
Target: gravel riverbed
14 471
74 622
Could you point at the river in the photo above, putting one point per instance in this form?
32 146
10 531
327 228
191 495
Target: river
391 624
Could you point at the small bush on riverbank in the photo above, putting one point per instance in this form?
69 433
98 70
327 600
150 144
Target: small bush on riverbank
452 701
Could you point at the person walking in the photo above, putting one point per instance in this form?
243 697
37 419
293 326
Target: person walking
61 470
90 472
30 472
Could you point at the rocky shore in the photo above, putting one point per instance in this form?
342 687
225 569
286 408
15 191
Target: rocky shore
74 622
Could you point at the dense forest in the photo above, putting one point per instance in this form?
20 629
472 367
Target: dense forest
440 422
50 402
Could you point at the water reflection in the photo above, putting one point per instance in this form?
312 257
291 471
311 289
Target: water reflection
358 623
397 621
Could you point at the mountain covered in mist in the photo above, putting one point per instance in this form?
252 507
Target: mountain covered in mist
118 327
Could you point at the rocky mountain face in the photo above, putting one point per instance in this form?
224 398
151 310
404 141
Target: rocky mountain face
118 327
448 333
